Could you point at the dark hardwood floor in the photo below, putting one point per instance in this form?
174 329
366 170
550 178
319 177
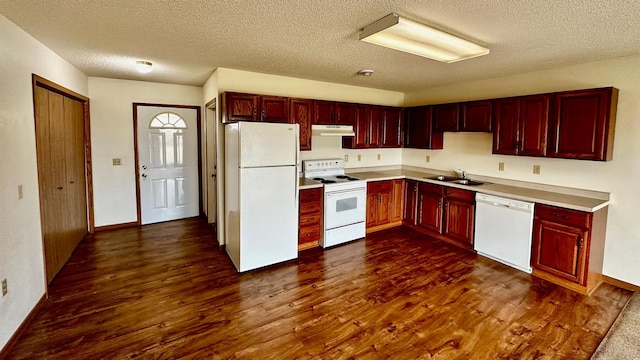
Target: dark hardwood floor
166 291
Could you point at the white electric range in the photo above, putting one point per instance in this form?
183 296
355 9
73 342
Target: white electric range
345 208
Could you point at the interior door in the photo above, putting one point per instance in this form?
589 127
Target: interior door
211 164
167 142
60 139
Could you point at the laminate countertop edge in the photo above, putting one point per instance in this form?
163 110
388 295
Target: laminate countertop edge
569 201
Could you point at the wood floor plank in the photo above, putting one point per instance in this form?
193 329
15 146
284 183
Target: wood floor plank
165 291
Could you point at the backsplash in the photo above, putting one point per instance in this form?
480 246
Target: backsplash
329 147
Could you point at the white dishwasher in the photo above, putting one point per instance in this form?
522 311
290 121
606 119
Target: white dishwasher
504 230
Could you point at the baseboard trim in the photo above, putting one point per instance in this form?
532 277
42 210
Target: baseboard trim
116 226
13 340
620 283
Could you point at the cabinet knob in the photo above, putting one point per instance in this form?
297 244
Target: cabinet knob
59 187
560 216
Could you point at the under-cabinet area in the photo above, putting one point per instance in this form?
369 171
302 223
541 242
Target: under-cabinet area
568 229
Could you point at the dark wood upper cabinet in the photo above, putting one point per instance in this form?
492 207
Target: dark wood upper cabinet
391 127
239 107
324 112
533 125
446 117
374 138
345 113
506 128
418 132
274 109
301 112
476 116
360 127
520 126
583 124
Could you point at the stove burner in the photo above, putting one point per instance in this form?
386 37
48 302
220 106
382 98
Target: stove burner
353 179
318 179
342 177
327 181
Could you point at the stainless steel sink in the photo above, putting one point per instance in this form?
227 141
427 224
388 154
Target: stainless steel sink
467 182
443 178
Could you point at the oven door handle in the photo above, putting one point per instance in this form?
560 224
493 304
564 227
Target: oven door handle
346 191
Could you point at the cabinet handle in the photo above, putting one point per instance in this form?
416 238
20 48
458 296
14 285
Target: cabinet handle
580 242
59 187
560 216
255 113
439 204
264 113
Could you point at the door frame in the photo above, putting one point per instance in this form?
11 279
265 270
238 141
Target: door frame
137 161
38 81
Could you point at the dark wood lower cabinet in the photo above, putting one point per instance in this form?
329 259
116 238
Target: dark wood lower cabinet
430 199
385 200
310 218
459 217
568 247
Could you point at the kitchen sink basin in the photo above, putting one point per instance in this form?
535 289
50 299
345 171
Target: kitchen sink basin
467 182
443 178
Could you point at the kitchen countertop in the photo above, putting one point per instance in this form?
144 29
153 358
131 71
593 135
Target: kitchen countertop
305 183
515 190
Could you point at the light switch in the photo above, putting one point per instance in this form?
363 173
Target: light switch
536 169
378 156
427 158
117 161
359 157
346 158
500 166
20 193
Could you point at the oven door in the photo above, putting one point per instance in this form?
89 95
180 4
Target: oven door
344 207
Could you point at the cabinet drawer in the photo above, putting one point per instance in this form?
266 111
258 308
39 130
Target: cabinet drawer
309 233
310 194
310 207
460 194
309 219
379 186
426 187
563 216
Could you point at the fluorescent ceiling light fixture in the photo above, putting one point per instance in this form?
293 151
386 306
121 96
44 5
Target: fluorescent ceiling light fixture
401 34
144 66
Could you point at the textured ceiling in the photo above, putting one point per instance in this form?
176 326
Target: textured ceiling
187 39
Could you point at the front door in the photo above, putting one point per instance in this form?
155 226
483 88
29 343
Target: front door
167 142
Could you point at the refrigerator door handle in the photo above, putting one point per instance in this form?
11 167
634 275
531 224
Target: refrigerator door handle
297 149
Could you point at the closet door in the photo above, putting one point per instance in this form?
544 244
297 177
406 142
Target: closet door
60 144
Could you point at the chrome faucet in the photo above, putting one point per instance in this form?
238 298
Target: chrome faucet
462 173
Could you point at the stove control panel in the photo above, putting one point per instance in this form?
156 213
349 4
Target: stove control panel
322 165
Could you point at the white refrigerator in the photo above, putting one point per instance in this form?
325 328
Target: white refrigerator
261 193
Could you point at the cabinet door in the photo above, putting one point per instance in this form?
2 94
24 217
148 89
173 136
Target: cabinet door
458 220
392 127
372 209
274 109
430 209
360 127
384 207
581 124
476 116
397 200
506 129
559 249
534 120
373 128
324 112
346 113
411 201
418 129
445 117
240 107
301 112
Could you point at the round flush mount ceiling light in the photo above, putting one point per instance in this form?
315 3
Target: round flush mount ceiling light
365 72
144 66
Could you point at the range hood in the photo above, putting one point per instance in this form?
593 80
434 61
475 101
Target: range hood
332 130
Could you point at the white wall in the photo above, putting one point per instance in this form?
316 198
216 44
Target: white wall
114 187
21 261
619 177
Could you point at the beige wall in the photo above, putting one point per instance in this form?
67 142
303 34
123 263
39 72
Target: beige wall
472 152
112 137
21 260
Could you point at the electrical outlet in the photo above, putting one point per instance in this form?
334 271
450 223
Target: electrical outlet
378 156
427 158
536 169
346 158
359 157
20 193
500 166
117 161
5 289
